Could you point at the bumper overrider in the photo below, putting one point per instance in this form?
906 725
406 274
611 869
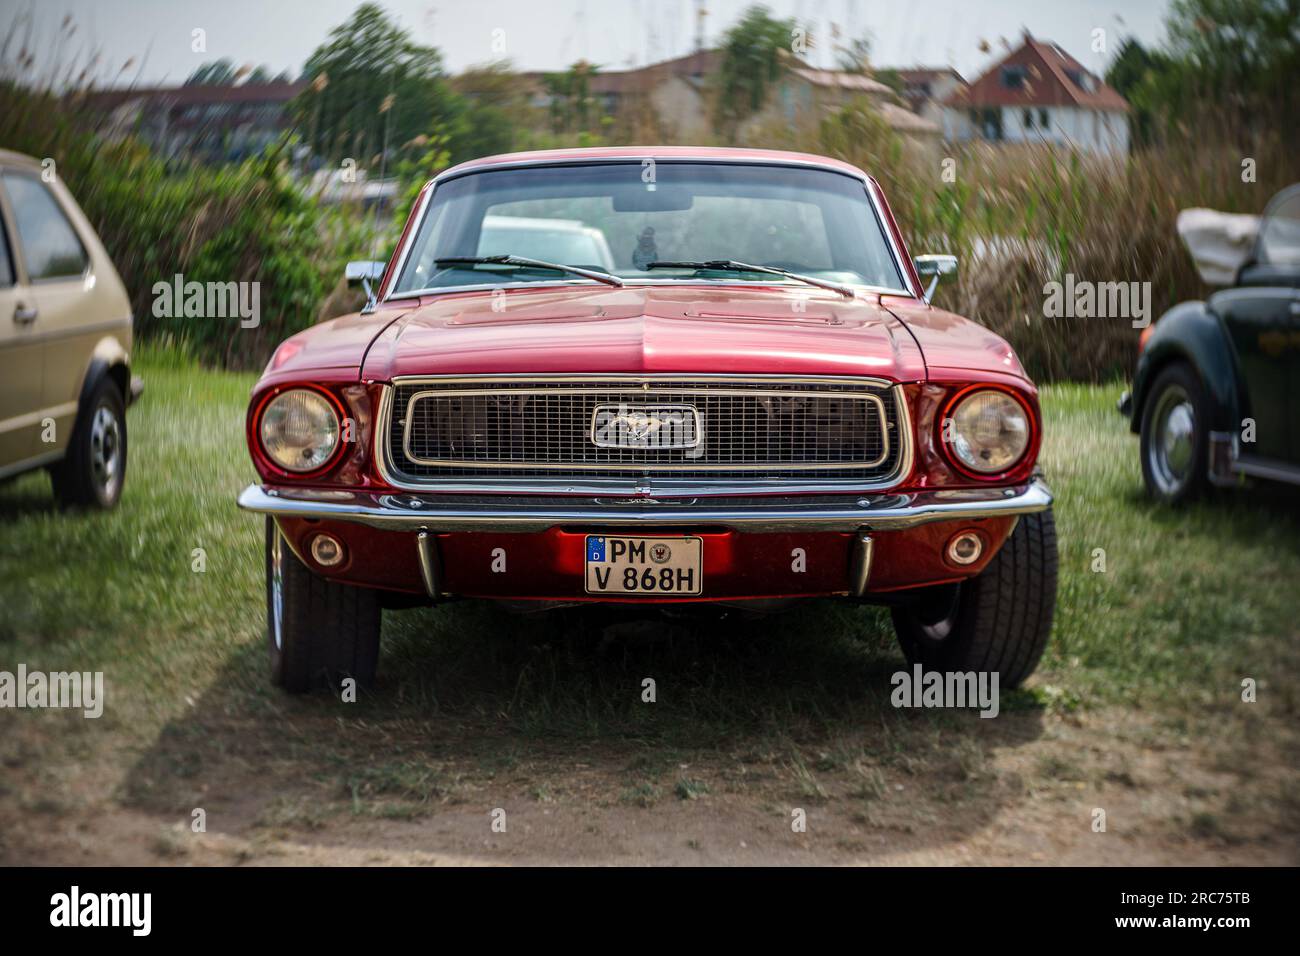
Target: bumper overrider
756 547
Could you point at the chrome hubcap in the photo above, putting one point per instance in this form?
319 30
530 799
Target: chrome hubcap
106 451
277 588
1173 440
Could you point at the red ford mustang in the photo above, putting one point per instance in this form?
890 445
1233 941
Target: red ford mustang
674 375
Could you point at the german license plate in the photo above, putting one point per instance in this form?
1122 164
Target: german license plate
644 565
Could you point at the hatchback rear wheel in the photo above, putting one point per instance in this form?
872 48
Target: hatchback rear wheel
93 471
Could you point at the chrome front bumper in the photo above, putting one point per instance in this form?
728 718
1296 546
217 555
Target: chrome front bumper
406 511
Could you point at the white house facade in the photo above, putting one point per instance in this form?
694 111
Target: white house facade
1040 94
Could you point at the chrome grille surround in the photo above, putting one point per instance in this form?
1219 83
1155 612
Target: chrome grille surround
554 450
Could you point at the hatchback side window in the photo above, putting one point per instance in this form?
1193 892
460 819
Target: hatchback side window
49 244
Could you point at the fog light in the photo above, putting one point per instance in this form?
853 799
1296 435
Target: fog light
326 551
965 548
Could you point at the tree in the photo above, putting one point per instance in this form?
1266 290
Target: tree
570 95
858 134
892 79
856 57
494 110
1246 50
1134 71
370 84
217 73
755 53
224 73
1230 64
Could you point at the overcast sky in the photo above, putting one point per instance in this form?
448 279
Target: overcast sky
550 34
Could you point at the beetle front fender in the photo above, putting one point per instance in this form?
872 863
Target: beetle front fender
1190 332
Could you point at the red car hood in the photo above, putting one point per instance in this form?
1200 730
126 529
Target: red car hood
761 329
954 344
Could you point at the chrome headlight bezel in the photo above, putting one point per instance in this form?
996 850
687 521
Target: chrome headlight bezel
991 431
299 430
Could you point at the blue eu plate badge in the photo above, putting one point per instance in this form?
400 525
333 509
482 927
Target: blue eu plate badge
595 549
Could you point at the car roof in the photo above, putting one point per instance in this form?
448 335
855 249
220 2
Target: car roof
658 153
9 158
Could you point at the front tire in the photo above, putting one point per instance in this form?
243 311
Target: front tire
318 632
1174 437
999 620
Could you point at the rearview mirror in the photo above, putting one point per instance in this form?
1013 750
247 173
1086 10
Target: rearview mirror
359 273
935 267
362 273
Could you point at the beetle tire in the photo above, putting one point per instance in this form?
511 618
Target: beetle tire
1179 377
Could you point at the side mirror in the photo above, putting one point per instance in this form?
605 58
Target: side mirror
935 267
362 273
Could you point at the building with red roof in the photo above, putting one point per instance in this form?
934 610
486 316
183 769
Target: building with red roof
1039 93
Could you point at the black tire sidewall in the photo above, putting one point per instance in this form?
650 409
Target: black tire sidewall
328 630
1004 614
1181 374
74 479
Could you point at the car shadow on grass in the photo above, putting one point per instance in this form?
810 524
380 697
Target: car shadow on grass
1247 514
25 495
477 708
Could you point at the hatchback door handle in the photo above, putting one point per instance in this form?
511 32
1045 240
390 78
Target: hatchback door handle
25 314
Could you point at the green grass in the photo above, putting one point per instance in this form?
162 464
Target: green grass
1190 602
117 591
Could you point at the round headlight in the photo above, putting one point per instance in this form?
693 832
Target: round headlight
299 430
990 432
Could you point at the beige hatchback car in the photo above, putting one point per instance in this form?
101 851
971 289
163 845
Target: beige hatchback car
65 341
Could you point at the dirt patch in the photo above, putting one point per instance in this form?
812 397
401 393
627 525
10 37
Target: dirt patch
1021 789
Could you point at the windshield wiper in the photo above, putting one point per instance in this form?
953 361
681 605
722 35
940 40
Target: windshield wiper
730 265
525 263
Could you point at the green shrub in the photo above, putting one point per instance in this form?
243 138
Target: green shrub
248 223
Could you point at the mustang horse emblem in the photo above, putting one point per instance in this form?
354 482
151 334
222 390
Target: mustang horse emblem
645 426
639 426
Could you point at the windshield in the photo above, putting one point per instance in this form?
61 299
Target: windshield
621 217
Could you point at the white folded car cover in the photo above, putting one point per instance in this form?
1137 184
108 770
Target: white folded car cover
1220 242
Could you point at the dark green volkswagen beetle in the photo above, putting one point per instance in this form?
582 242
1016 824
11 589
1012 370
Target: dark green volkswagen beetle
1216 395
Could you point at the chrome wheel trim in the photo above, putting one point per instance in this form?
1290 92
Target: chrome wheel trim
106 452
277 589
1172 444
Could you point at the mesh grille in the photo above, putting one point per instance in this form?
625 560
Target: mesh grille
544 429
